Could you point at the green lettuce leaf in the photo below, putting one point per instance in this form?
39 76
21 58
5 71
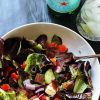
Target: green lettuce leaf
80 85
4 95
12 95
21 96
33 59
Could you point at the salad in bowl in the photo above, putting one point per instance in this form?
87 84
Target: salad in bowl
42 69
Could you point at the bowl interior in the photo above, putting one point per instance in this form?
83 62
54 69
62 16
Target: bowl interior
75 43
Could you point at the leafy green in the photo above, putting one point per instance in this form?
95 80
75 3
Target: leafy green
21 96
20 81
80 85
33 59
0 64
12 95
4 95
19 49
7 57
38 47
75 72
56 39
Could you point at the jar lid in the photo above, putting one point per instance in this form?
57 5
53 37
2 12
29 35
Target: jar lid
63 6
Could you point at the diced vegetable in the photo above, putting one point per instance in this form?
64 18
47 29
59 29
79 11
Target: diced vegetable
58 69
49 76
52 45
53 60
38 47
30 86
5 87
62 48
57 98
39 78
14 76
12 95
54 85
33 60
23 65
50 90
4 95
47 98
80 85
42 97
21 96
34 98
68 85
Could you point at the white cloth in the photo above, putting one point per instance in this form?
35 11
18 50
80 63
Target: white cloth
14 13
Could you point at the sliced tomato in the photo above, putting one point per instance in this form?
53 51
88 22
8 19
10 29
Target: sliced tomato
62 48
14 76
42 97
54 85
5 87
52 45
23 65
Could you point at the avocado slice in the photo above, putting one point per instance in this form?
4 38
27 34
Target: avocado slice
49 76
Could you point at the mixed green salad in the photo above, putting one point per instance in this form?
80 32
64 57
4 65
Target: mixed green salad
42 70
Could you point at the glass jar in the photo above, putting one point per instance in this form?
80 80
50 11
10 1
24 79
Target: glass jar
88 20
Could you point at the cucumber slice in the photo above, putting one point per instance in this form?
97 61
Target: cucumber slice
49 76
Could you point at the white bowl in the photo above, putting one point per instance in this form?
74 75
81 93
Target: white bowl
75 43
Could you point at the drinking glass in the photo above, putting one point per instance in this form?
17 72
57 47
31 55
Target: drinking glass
88 20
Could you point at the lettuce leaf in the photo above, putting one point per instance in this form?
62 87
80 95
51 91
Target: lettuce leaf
21 96
4 95
80 85
33 59
12 95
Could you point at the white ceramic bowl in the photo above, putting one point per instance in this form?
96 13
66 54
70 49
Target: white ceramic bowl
75 43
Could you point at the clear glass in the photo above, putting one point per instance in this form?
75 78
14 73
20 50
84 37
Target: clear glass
88 20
